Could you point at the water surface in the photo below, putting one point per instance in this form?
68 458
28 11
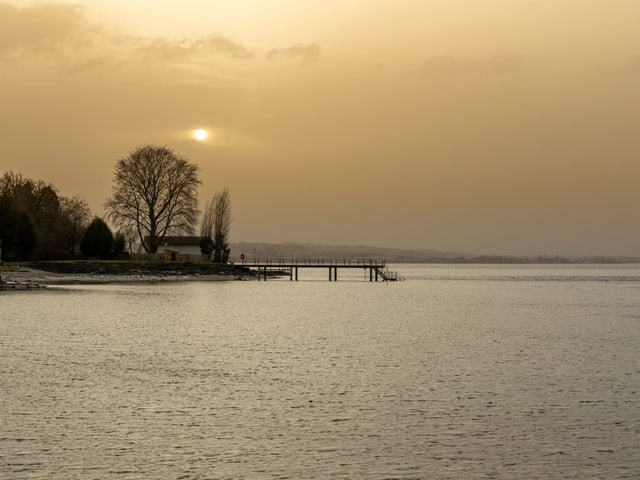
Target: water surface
458 372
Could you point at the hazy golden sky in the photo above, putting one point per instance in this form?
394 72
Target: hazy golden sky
490 126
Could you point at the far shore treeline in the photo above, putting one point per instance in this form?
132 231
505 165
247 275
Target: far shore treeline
154 196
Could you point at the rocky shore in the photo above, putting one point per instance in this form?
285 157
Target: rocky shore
12 283
42 274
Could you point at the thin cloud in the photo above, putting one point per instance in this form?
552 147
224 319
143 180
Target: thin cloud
63 32
445 66
171 50
305 53
217 44
44 30
89 64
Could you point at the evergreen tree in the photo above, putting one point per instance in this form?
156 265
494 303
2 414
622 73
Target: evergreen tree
26 236
97 240
119 243
17 231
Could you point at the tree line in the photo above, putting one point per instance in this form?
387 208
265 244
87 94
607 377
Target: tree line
154 195
36 222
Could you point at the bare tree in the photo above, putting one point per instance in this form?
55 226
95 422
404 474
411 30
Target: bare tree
10 182
206 225
154 191
36 198
39 201
206 230
131 239
74 219
216 224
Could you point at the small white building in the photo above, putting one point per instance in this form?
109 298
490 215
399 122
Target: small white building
182 248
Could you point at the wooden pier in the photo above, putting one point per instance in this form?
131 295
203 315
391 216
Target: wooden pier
377 269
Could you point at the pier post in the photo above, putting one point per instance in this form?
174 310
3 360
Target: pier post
280 268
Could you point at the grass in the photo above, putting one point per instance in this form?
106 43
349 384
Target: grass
121 262
7 266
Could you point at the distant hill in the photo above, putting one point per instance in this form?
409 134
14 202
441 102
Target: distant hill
290 250
256 250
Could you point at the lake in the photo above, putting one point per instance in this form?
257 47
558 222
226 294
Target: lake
488 371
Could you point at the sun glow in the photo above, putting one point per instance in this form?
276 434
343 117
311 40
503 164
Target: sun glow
200 134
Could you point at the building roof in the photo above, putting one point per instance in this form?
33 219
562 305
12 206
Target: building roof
181 240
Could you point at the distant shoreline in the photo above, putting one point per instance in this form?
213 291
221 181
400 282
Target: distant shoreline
40 275
497 260
263 250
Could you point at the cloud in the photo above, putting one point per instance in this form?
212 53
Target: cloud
217 44
62 32
214 44
306 53
89 64
46 29
63 35
445 66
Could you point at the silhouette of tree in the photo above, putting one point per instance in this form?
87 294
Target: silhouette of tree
119 243
17 232
206 245
74 218
8 221
216 224
26 237
154 191
39 201
97 240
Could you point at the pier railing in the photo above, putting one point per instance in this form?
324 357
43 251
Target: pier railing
321 262
376 267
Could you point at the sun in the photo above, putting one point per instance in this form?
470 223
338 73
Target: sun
200 134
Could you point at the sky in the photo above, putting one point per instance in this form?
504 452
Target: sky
493 126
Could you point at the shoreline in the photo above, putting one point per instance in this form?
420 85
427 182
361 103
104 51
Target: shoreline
34 279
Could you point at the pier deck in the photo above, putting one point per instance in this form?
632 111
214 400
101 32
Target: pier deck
377 267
